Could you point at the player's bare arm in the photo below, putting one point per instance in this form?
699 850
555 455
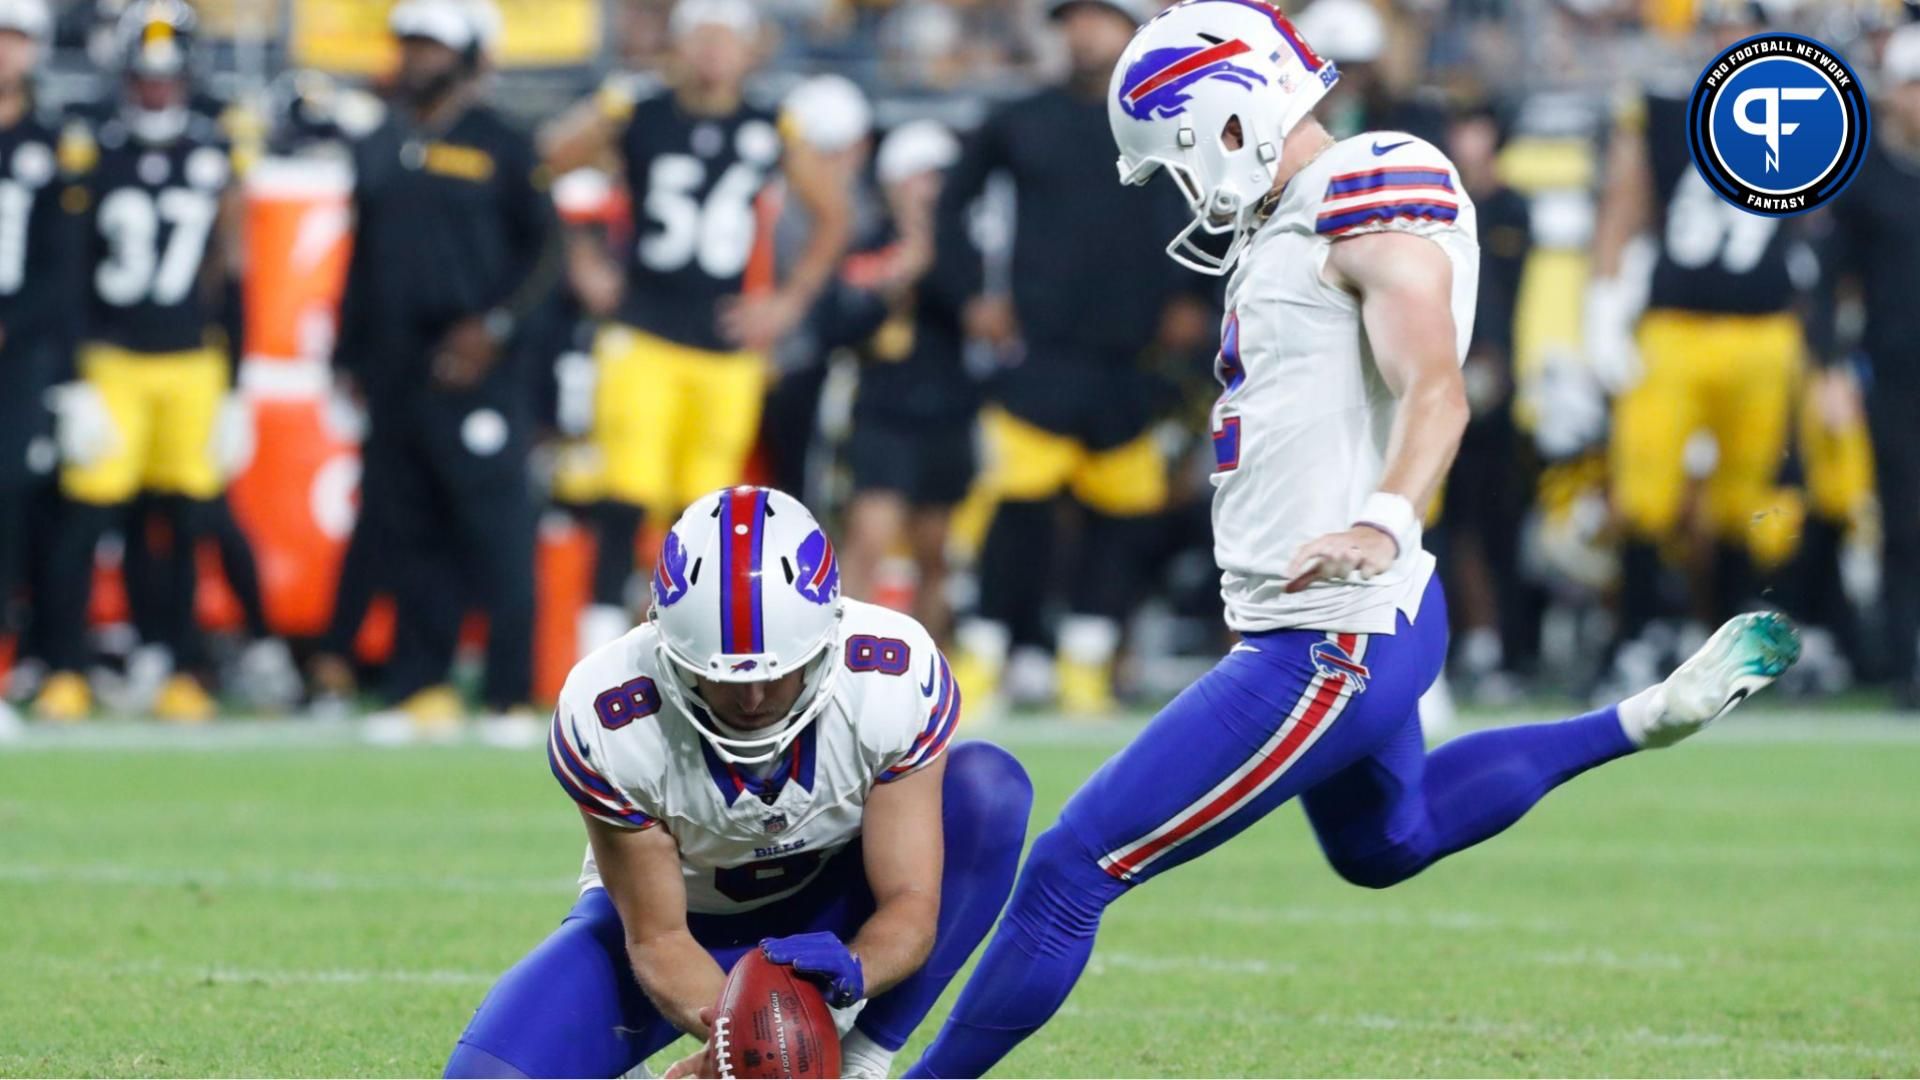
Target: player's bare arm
901 847
641 871
579 138
593 274
1626 208
756 322
1405 284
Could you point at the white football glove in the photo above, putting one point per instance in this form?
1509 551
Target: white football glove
1608 328
234 441
82 425
1569 407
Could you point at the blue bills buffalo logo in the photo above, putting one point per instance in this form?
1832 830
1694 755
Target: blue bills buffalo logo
817 574
670 572
1155 85
1330 659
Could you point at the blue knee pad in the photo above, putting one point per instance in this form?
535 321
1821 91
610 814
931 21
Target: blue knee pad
985 799
1381 868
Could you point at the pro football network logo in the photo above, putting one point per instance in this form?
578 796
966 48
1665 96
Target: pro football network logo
1777 124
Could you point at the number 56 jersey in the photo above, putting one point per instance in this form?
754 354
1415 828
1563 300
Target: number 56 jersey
747 838
1300 432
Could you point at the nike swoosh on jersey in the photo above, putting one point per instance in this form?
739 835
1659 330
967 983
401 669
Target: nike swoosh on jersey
1382 151
933 670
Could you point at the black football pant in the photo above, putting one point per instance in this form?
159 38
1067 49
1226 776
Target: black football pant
448 472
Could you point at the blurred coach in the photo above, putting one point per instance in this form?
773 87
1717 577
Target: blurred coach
1873 249
455 242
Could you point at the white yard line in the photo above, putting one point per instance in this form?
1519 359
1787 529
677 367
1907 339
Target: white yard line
223 975
1889 729
560 887
1482 1027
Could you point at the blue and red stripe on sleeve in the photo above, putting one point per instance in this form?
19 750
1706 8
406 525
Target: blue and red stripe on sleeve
943 719
1376 196
586 786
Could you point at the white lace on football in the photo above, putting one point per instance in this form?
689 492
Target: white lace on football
722 1056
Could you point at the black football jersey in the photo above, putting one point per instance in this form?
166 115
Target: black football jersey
34 252
1714 256
693 181
151 221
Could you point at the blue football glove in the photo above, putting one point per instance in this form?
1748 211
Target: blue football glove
823 959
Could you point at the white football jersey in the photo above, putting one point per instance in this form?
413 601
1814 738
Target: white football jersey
628 757
1300 433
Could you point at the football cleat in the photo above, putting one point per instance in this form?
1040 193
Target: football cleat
1741 657
182 700
429 715
64 698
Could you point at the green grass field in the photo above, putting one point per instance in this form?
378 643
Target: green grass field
294 905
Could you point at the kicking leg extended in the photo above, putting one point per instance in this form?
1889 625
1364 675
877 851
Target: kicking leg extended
1383 808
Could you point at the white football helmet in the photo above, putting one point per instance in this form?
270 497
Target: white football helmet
29 17
746 589
1187 72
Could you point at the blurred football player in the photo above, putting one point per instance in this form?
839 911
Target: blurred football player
1072 406
1349 309
910 451
681 362
152 410
1717 350
35 287
759 765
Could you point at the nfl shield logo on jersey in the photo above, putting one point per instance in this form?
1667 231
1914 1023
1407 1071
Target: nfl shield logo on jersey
1330 659
775 824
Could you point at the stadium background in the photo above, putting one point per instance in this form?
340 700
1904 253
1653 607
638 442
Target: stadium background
364 899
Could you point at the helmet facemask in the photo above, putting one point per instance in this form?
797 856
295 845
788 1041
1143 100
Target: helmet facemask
1224 187
746 589
681 686
1194 73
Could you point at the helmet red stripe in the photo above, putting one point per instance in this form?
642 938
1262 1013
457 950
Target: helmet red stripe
1186 65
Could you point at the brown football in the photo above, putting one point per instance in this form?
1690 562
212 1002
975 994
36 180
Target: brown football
773 1023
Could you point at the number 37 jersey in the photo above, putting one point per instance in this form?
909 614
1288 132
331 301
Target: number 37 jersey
152 211
629 758
693 181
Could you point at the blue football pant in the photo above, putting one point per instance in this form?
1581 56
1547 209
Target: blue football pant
573 1008
1330 717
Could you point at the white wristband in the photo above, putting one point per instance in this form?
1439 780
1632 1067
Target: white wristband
1391 514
